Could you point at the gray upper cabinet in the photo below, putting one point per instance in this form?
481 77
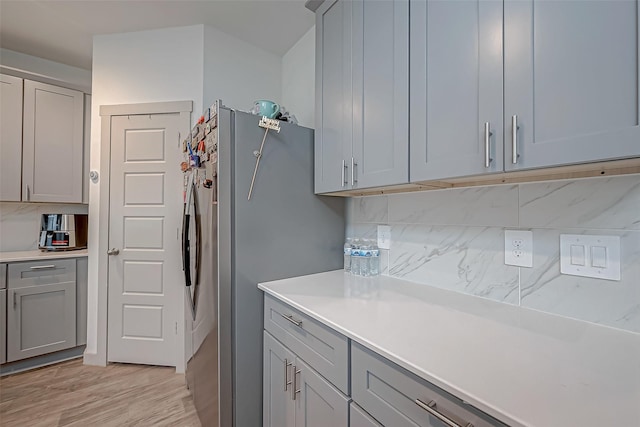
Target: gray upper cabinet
456 88
571 81
10 137
52 158
362 94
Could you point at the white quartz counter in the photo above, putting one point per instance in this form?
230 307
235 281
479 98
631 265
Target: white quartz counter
523 367
39 255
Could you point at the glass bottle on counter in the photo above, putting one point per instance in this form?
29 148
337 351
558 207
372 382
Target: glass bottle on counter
365 258
355 257
374 261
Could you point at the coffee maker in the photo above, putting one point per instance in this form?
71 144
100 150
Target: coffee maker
63 232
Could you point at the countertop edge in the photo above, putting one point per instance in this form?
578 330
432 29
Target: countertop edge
480 404
36 255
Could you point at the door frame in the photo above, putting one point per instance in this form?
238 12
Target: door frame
107 112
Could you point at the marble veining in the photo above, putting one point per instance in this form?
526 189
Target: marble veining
597 203
465 259
481 206
612 303
370 209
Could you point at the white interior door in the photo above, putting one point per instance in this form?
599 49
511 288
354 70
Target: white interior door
146 293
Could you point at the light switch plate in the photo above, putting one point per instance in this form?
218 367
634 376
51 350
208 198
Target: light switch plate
590 256
518 248
384 237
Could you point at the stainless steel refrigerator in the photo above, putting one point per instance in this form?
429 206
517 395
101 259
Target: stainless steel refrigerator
230 244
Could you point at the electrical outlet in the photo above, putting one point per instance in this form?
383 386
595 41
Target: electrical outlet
518 248
384 236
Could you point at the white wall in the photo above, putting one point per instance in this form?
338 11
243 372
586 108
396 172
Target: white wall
299 77
32 67
196 63
237 72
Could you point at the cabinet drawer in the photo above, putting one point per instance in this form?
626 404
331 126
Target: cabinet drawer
3 276
322 348
359 418
390 394
36 273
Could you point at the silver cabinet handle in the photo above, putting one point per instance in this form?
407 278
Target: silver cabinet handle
42 267
286 374
28 193
431 409
353 171
514 139
113 251
290 318
15 302
295 390
344 168
487 144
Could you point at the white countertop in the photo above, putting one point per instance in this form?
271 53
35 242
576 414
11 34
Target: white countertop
524 367
40 255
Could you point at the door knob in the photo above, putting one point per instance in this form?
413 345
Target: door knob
113 251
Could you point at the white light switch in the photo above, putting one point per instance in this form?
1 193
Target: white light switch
590 256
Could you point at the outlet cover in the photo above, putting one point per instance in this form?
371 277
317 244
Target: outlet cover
518 248
384 236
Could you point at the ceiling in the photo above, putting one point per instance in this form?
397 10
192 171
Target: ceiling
63 30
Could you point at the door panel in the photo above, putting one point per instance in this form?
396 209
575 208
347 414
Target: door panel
456 87
10 138
52 143
145 282
381 92
319 403
333 87
571 77
278 407
40 319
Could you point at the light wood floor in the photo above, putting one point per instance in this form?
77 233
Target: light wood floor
72 394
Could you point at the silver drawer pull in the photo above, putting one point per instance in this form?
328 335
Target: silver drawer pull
431 409
287 383
42 267
290 318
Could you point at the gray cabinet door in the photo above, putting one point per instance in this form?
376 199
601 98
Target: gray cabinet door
3 325
318 404
572 81
359 418
456 88
277 403
52 156
10 137
380 92
333 136
40 319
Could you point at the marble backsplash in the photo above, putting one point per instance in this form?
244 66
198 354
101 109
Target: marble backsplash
454 239
20 223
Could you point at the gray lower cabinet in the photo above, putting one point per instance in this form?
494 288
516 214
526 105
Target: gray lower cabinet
358 417
3 325
41 308
398 398
305 370
362 94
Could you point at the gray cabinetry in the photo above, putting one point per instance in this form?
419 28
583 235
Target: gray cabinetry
52 144
561 86
456 88
318 403
359 418
305 369
10 137
571 81
3 325
41 310
278 408
395 397
362 86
